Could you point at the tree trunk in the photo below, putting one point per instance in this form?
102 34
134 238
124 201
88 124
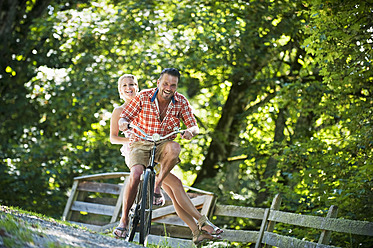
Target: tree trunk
228 128
220 146
272 162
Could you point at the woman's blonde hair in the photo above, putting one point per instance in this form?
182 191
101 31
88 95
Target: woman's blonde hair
127 76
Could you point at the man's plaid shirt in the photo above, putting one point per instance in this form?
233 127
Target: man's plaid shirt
142 111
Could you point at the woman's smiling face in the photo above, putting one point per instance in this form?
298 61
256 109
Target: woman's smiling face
128 89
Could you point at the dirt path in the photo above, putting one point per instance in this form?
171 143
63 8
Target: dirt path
46 232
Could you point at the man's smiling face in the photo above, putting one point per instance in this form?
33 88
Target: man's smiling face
167 86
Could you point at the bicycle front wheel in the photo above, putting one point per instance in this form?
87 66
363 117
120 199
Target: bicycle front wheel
146 206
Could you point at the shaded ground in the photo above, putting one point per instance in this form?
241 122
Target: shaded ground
19 229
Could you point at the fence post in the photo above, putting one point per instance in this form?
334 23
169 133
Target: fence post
276 203
262 228
208 205
73 195
325 235
118 205
275 206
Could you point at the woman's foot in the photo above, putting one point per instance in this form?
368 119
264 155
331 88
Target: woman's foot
205 225
120 232
200 237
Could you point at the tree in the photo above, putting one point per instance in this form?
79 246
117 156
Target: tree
281 89
341 41
58 89
332 166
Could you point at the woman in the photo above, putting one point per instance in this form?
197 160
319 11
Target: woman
203 229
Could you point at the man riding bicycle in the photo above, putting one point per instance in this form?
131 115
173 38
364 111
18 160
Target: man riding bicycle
159 110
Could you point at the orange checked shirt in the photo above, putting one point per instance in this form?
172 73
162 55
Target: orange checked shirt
142 111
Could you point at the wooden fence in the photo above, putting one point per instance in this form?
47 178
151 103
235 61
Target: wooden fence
86 209
271 216
265 237
95 202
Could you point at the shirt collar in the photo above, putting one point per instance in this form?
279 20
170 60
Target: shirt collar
155 95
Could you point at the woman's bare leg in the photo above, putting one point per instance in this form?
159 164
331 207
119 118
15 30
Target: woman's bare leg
187 218
129 194
182 199
198 236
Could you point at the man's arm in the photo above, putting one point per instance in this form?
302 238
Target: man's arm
189 120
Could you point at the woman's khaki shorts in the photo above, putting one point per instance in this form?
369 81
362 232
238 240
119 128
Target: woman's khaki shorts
140 152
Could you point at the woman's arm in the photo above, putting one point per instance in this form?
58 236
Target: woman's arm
114 128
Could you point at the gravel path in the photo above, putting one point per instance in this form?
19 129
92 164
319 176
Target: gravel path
45 233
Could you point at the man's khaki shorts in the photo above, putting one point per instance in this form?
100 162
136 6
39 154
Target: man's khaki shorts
140 152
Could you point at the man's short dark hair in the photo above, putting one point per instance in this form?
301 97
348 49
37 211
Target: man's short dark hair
170 71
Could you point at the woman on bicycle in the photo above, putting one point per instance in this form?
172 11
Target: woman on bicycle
203 229
128 88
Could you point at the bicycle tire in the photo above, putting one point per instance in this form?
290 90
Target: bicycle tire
134 214
146 206
133 223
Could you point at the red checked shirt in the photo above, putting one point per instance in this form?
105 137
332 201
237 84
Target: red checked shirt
142 111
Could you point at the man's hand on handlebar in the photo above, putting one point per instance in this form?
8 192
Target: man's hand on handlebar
187 135
190 133
123 125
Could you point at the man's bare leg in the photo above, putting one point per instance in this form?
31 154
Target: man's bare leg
168 159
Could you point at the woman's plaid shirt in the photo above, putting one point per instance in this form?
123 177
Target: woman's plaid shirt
142 111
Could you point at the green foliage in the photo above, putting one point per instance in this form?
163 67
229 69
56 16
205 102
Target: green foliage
282 91
330 164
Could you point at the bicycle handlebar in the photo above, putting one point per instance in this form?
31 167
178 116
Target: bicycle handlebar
155 137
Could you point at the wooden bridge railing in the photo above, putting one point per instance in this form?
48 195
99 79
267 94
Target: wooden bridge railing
270 216
101 212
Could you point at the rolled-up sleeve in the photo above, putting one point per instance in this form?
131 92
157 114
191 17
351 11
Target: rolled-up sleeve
187 114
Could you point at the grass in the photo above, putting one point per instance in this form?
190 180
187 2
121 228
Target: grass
13 210
14 232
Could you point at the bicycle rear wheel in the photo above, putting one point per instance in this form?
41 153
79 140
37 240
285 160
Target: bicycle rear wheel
134 214
146 206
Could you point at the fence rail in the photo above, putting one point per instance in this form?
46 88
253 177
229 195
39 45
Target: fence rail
271 216
84 186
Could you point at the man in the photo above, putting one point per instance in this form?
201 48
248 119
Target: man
158 110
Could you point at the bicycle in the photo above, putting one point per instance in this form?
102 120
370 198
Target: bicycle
141 210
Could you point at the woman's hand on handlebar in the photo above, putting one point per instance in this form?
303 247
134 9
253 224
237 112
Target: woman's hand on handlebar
123 125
